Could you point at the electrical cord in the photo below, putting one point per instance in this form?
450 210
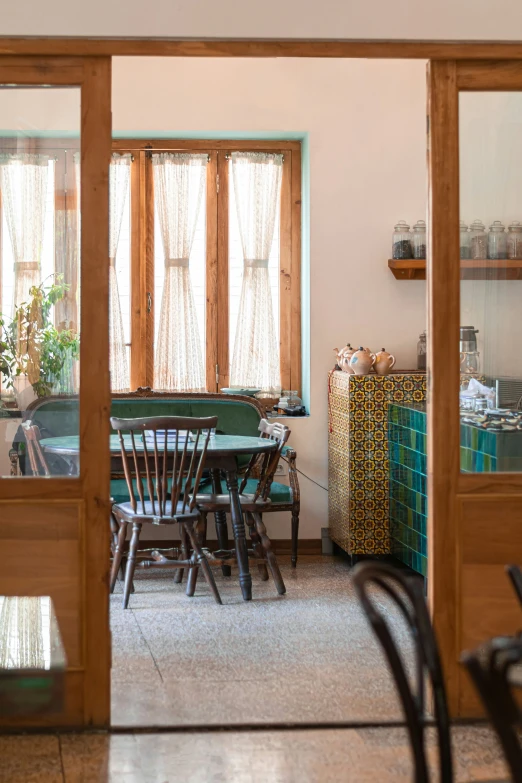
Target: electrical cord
312 480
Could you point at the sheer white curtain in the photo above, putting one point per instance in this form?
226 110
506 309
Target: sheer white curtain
179 183
24 189
119 180
256 178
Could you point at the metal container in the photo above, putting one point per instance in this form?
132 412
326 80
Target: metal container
468 341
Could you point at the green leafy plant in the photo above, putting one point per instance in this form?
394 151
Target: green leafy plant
30 344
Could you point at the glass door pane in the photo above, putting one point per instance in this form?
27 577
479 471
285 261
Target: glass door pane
490 150
39 280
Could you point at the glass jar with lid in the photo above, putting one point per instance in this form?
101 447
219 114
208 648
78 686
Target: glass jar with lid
478 240
419 239
497 241
401 241
514 240
465 240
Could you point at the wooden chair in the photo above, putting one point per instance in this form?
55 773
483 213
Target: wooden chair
171 479
39 465
37 462
254 505
515 574
407 593
491 669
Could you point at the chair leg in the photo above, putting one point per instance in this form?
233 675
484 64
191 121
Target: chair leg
203 562
257 546
131 562
192 577
118 554
184 543
271 558
295 536
221 522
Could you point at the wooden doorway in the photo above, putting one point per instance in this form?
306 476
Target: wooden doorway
475 504
54 531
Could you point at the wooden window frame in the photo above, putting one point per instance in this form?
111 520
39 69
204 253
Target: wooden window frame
216 311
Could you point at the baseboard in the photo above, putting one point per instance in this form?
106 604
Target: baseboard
282 546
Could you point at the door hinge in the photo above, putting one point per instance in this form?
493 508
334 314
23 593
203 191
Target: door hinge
217 374
217 183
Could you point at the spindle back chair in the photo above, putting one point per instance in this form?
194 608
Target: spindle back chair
268 463
168 462
163 461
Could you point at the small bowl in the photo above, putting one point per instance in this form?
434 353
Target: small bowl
244 392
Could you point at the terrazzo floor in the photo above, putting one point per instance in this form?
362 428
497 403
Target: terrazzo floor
327 756
306 657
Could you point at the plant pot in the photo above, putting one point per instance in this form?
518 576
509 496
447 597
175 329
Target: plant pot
24 392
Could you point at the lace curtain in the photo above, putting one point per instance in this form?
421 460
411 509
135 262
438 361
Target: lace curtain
179 182
119 180
24 178
256 178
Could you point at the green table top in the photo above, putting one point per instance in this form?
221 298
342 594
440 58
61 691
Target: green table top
218 445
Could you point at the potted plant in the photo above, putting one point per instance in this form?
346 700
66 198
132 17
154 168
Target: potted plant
33 352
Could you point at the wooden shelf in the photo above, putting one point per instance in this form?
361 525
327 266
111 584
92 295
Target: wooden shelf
415 269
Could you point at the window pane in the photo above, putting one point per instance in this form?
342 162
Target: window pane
197 266
39 262
123 273
491 251
235 268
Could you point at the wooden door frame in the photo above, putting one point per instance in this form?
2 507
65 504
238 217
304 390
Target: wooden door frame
87 684
448 488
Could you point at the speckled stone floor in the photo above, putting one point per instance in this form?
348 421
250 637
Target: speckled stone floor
318 756
308 656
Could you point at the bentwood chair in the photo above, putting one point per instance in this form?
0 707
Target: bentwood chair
372 579
254 505
515 574
163 471
492 669
407 594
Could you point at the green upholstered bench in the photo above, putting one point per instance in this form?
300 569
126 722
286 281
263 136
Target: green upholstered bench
237 415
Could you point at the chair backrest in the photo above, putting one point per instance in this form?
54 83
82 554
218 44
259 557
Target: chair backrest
408 595
515 574
35 453
268 464
491 669
165 449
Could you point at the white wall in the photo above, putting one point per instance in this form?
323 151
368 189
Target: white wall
384 19
366 125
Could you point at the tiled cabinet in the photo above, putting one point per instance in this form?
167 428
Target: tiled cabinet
358 462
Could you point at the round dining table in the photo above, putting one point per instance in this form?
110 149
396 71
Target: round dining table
221 459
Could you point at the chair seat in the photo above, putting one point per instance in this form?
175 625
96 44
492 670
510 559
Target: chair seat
152 515
279 493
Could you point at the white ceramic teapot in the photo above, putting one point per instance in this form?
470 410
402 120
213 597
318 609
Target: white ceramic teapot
384 362
343 358
362 361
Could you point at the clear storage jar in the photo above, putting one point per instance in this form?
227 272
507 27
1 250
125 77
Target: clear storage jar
497 241
514 240
419 239
402 247
478 240
465 241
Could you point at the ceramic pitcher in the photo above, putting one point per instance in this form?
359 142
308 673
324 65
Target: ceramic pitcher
362 361
384 362
343 358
